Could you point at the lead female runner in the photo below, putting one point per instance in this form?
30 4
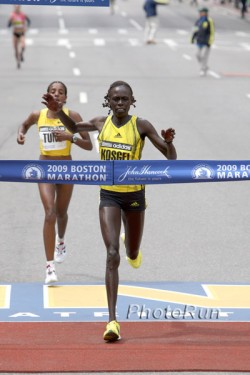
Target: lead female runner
121 137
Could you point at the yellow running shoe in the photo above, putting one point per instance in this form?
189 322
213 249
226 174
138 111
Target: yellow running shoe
135 263
112 332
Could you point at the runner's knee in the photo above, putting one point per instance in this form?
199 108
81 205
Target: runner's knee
50 216
62 215
113 258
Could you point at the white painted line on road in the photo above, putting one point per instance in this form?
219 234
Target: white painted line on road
29 42
72 55
122 31
248 96
124 14
134 42
3 32
246 46
76 72
63 31
99 42
62 28
136 24
59 13
213 74
83 97
33 31
187 57
241 33
93 31
61 23
182 32
63 42
170 43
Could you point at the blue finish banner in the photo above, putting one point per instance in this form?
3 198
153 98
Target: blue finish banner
179 171
123 172
57 171
92 3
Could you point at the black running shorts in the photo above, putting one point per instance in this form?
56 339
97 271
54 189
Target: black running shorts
18 35
134 201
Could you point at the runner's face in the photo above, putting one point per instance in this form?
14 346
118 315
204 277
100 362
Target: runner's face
120 100
58 92
17 8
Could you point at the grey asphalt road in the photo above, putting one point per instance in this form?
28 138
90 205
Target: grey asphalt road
193 232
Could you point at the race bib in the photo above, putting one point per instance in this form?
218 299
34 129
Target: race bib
48 139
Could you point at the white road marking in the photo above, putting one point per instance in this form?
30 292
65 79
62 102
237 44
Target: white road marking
170 43
136 24
182 32
122 31
93 31
99 42
33 31
241 33
83 97
213 74
62 28
246 46
187 57
63 42
76 72
29 42
134 42
72 54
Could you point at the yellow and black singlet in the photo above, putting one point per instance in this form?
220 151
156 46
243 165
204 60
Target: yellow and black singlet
48 144
120 143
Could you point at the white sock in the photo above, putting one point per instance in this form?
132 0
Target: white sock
50 263
60 239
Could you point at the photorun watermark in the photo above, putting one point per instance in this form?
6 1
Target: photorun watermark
169 313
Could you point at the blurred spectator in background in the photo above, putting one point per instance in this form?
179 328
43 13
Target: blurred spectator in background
243 8
203 36
112 6
194 2
152 23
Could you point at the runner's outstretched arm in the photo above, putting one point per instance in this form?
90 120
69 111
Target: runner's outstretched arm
73 127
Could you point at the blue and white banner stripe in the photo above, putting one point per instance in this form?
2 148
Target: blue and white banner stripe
97 3
57 171
141 172
180 171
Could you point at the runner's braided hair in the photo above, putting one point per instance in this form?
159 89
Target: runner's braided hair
117 84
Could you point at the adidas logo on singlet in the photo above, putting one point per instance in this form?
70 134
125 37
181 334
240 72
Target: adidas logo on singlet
135 204
118 135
